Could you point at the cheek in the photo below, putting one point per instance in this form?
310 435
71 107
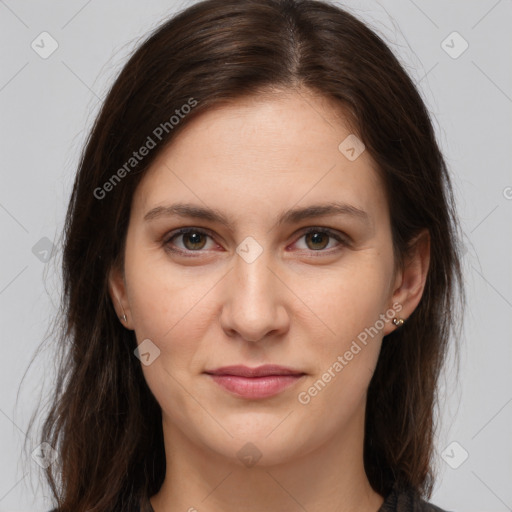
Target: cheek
167 308
161 295
171 306
350 299
346 357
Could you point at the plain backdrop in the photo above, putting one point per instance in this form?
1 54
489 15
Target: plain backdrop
459 55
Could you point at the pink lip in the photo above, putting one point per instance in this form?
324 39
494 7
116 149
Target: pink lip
261 382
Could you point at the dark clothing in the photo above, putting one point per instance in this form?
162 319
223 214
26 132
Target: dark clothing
405 501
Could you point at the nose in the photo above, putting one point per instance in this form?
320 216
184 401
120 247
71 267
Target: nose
254 306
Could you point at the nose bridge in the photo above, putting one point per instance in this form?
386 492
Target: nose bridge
251 270
253 306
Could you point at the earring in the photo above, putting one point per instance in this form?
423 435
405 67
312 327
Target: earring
123 318
398 321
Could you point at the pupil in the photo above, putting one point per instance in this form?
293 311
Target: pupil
317 238
194 239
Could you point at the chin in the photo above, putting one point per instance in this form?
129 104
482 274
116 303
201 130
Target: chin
262 446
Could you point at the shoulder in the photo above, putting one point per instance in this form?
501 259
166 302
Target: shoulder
424 506
408 501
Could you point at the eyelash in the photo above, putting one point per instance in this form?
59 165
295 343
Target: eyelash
188 253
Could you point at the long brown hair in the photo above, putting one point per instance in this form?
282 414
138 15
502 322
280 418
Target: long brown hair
104 422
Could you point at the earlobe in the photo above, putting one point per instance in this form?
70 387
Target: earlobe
117 291
411 279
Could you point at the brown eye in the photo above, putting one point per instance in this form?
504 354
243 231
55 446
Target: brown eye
192 240
195 240
318 240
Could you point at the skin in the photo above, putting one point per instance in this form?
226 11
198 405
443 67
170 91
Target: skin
299 304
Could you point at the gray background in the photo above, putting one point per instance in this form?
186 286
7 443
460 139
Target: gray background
47 106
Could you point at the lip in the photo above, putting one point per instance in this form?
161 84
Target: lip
255 383
259 371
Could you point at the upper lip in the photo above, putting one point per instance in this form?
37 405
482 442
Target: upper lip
260 371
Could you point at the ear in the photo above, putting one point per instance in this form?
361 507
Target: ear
118 295
411 278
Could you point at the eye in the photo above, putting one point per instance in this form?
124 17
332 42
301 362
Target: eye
317 239
195 239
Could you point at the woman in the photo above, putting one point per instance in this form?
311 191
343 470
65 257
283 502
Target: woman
260 273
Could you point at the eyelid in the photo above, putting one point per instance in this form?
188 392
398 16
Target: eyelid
340 236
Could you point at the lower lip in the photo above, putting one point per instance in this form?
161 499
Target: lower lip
255 387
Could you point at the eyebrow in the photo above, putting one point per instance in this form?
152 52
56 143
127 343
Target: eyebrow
289 217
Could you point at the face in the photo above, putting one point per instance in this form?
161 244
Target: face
266 279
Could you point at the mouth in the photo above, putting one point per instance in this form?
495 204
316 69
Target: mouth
255 383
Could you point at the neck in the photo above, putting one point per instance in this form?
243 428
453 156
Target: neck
330 478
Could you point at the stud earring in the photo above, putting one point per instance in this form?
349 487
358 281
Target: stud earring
123 318
398 321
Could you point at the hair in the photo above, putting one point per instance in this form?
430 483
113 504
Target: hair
104 421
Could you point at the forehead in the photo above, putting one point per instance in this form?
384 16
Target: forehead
262 153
